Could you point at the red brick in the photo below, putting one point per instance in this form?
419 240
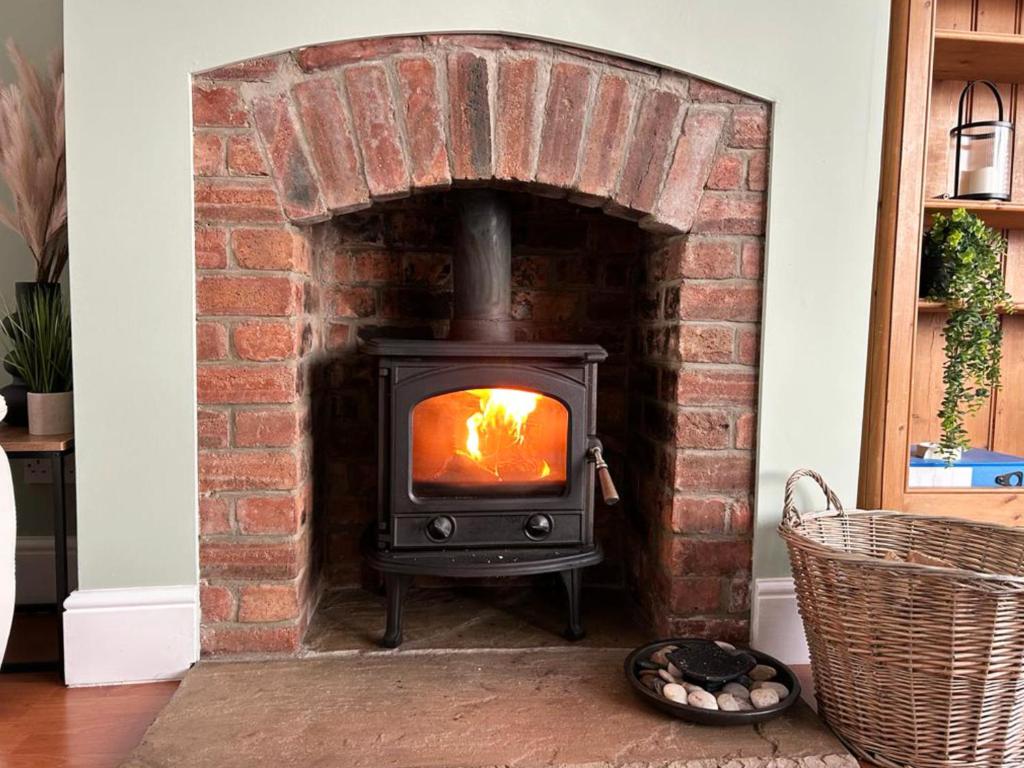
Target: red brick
214 105
218 604
211 248
228 639
487 42
706 343
751 257
702 429
377 131
265 515
757 173
730 213
424 126
375 267
544 307
727 172
266 429
564 115
649 151
702 91
237 203
338 336
213 428
517 118
738 595
249 470
211 341
695 594
207 154
351 302
746 425
262 68
716 386
352 51
300 193
332 144
268 603
262 296
239 558
214 515
263 341
732 630
245 157
605 143
279 249
720 301
722 557
714 471
748 346
691 164
708 258
246 383
469 120
698 515
749 127
741 517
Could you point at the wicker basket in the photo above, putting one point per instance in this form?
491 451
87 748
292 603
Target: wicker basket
914 665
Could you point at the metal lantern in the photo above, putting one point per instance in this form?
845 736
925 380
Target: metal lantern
981 153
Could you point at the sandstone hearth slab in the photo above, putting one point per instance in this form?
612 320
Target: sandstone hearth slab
449 709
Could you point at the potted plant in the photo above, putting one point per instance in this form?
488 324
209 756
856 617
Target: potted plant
963 269
32 168
39 336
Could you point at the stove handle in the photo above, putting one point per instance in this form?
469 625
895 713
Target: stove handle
608 491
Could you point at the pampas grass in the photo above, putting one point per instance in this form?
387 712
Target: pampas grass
32 161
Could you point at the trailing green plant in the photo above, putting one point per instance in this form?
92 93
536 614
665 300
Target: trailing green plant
966 258
39 341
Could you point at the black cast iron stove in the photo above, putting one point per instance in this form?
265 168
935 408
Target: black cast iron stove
487 446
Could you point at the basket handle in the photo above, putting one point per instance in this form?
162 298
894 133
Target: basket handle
790 515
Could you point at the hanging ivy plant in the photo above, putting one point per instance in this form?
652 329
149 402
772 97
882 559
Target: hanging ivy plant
964 257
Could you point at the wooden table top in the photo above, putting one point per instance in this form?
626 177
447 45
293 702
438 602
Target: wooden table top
15 440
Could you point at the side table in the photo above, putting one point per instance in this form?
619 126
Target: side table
19 444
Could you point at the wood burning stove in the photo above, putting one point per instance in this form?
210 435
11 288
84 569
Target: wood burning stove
487 446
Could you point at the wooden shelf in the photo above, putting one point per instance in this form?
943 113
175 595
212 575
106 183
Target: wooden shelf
978 56
925 305
998 215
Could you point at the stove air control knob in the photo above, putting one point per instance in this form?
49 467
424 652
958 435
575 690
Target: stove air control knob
440 528
537 527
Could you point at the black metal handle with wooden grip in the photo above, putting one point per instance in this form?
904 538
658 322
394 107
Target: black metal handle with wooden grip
608 491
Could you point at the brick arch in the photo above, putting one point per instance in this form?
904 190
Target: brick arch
284 142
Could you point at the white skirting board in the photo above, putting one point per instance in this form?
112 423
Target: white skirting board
133 635
776 628
34 582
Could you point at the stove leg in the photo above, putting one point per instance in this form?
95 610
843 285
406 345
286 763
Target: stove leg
396 585
572 579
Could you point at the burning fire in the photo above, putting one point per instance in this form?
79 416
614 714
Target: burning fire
499 427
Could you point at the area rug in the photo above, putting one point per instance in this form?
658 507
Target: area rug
454 709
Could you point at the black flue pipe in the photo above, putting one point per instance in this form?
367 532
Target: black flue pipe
482 268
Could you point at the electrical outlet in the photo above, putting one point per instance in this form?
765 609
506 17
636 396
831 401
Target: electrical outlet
37 471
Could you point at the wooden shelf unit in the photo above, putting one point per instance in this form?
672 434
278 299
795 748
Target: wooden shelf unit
935 45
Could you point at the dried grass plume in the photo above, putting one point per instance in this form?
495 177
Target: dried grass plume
32 161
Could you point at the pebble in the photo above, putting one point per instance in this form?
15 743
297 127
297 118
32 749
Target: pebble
674 692
779 688
674 670
737 690
660 656
702 700
745 706
763 698
690 687
650 681
667 676
725 646
762 672
659 685
648 665
727 702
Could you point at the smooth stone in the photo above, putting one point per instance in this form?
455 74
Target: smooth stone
763 698
667 676
660 656
745 706
691 687
659 685
727 702
767 685
675 692
674 670
651 682
762 672
702 700
725 646
648 665
737 690
744 680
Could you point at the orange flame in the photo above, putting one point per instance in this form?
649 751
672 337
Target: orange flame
499 425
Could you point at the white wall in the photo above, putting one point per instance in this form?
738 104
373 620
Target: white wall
821 62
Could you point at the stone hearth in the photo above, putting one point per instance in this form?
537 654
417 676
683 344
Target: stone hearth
320 179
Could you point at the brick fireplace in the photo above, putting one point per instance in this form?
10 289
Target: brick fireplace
323 220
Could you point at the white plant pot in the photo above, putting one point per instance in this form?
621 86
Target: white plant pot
51 413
